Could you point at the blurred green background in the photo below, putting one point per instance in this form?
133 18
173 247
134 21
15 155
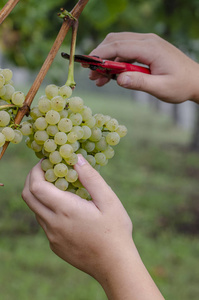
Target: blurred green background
155 171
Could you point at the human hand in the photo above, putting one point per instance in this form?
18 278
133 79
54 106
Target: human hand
174 76
90 235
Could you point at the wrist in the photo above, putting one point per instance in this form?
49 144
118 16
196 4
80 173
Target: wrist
125 276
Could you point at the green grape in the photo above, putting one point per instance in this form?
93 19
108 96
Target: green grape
41 123
71 176
83 193
88 146
26 128
35 113
50 175
60 170
87 132
51 91
50 145
76 146
2 80
2 91
91 159
18 137
112 124
52 130
7 73
2 139
4 118
109 152
61 184
52 117
65 125
63 113
28 141
72 160
58 103
100 158
9 91
60 138
96 134
44 104
8 133
65 91
18 98
55 157
101 145
36 147
100 120
77 184
72 137
41 136
76 104
86 113
112 138
46 164
121 130
90 122
76 118
66 150
79 131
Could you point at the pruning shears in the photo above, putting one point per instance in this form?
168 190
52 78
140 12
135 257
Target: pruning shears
106 67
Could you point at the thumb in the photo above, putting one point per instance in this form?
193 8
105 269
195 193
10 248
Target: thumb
140 81
93 182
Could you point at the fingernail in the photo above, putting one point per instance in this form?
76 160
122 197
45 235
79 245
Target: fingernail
125 81
81 160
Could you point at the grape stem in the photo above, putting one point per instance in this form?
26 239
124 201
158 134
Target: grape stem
67 23
70 80
6 10
7 106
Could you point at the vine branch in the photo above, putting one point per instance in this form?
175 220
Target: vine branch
8 7
67 23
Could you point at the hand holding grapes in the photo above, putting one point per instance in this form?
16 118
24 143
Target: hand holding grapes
94 236
174 76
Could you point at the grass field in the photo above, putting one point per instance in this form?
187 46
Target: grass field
155 176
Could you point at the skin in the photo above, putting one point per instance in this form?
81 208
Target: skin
96 236
174 76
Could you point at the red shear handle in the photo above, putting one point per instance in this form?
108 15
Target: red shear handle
114 67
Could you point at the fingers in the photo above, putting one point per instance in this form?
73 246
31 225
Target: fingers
99 190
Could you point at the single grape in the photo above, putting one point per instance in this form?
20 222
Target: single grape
9 91
60 138
8 133
90 122
4 118
75 145
35 113
65 125
76 104
55 157
72 160
76 118
79 131
41 123
50 145
82 152
26 128
58 103
96 134
101 145
112 138
87 132
51 91
72 137
18 137
46 164
18 98
52 117
41 136
65 91
91 159
52 130
7 73
60 170
61 184
50 175
44 104
63 113
86 113
83 193
88 146
2 91
112 124
36 147
72 175
109 152
2 80
66 150
100 120
100 158
121 130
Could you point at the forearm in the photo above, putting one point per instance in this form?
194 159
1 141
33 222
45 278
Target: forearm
126 277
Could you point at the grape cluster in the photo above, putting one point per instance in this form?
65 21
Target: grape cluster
60 127
10 101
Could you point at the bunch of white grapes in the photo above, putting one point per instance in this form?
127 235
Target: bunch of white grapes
10 101
60 127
